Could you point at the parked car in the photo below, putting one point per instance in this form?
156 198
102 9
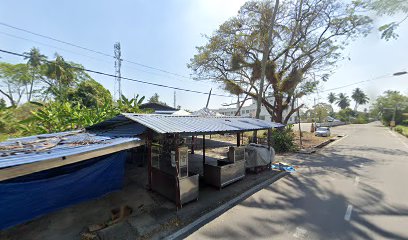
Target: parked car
322 132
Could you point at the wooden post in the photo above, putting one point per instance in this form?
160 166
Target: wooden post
238 139
192 144
149 140
203 153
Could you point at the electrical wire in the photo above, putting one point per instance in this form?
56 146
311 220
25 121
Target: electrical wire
348 85
98 59
91 50
124 78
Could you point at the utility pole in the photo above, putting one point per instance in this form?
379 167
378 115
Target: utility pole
392 123
118 64
174 100
300 129
313 126
208 100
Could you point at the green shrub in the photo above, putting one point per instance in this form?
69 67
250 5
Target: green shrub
402 130
283 139
361 119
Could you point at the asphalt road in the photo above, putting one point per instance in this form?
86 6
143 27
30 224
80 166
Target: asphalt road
355 188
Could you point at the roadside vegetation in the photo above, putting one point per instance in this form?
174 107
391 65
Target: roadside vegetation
392 106
402 129
53 95
322 111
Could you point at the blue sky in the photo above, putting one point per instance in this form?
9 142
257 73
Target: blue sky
164 34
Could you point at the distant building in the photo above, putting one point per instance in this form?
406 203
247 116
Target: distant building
159 108
249 111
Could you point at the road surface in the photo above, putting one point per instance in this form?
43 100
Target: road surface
355 188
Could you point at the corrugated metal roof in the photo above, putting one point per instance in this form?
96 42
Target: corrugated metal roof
199 124
119 126
71 143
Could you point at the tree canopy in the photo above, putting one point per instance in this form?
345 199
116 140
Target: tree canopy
359 98
387 104
343 101
389 8
303 42
155 98
89 93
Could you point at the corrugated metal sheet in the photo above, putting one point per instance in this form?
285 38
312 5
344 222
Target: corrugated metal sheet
199 124
119 126
72 143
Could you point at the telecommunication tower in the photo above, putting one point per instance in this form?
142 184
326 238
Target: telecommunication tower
118 64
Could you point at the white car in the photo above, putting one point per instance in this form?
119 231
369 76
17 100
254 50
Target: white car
322 132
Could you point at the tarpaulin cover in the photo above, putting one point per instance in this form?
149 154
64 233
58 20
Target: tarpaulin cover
258 155
30 196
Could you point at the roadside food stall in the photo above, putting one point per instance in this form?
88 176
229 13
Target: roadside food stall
174 167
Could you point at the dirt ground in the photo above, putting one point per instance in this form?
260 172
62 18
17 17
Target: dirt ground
153 216
309 140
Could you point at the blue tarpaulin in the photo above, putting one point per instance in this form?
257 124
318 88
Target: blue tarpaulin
27 197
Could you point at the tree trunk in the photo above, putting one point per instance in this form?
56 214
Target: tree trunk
10 98
31 87
265 56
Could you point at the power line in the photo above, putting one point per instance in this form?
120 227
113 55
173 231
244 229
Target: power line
348 85
198 80
124 78
91 50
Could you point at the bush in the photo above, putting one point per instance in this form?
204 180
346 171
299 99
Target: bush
402 130
283 139
361 119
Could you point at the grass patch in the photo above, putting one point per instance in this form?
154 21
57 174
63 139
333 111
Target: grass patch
3 137
402 130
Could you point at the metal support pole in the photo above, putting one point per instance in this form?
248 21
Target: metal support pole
149 140
203 153
238 139
192 144
178 201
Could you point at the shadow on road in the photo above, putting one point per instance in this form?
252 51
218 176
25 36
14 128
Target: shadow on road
305 201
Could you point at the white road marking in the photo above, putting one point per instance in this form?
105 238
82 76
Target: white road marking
347 216
300 233
356 180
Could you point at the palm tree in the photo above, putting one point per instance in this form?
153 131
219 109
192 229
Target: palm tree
35 60
332 98
343 101
359 97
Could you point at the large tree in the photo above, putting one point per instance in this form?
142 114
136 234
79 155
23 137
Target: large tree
359 98
256 53
388 104
89 93
155 98
34 60
343 101
332 98
60 75
13 79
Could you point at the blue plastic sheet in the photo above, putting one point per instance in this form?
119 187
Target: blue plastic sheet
34 195
283 167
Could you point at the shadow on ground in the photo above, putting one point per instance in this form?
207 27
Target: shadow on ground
302 200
